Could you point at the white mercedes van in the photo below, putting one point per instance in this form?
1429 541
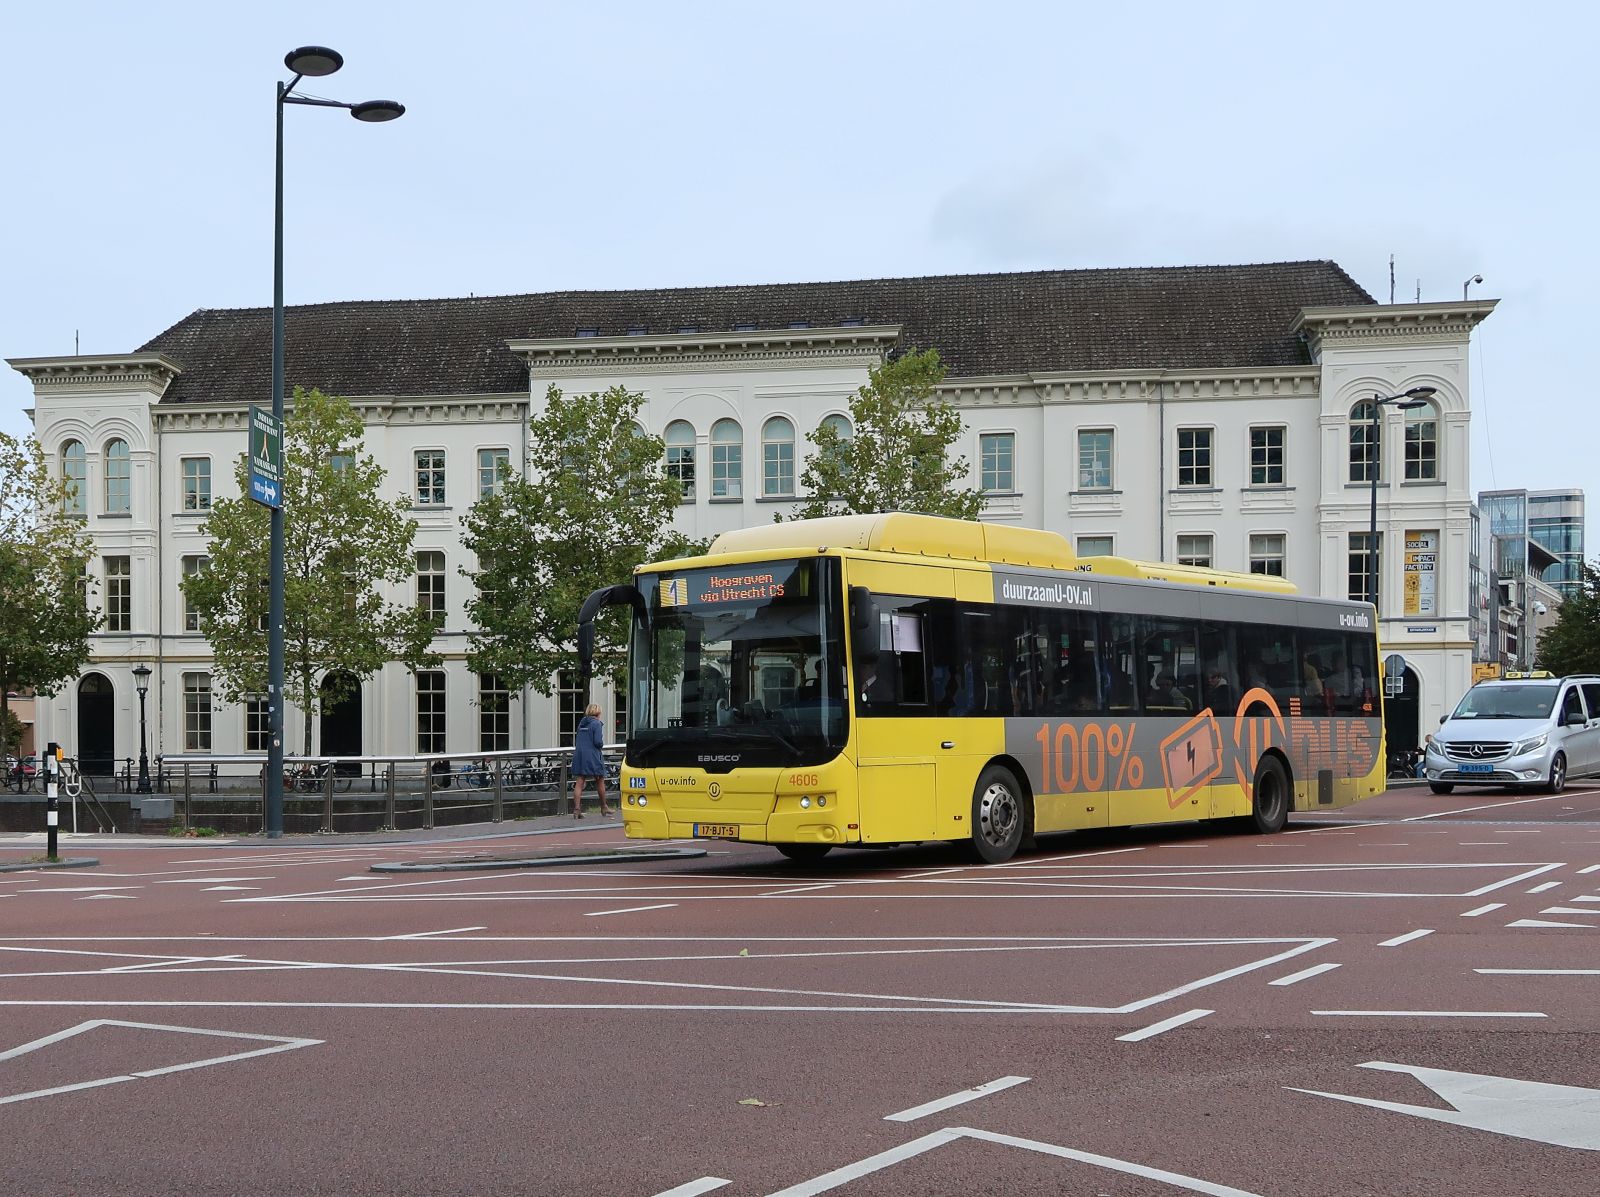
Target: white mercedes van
1523 731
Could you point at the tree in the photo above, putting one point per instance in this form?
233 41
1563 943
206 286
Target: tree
343 542
897 456
597 503
1572 643
45 618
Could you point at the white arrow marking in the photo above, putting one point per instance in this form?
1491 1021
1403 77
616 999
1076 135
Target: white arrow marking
1561 1115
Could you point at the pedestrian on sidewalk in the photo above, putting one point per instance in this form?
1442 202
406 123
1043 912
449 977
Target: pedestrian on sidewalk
588 760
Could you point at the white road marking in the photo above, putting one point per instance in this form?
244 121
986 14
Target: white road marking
1441 814
1594 868
956 1099
1472 914
1560 1115
1520 877
1431 1013
1568 910
1406 938
76 889
1484 844
212 889
1540 972
695 1187
102 897
1304 974
1547 923
208 880
1166 1024
1583 898
839 1177
594 914
801 889
432 934
1539 889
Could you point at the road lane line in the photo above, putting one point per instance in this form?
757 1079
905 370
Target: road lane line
1520 877
1583 898
1568 910
799 889
594 914
695 1187
1166 1024
1431 1013
1304 974
1594 868
1539 889
431 934
956 1099
1472 914
1442 814
1547 923
1540 972
1406 938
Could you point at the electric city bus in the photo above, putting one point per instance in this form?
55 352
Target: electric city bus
865 681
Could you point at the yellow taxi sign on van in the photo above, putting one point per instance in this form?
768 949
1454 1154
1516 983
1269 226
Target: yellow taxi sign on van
1526 673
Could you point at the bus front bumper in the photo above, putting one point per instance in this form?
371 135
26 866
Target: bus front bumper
652 822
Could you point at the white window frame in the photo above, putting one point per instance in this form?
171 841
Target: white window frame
1197 549
428 477
997 462
1203 473
1269 459
1089 478
494 468
777 457
1263 554
727 462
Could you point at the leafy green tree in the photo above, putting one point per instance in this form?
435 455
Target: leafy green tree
1572 643
897 456
597 503
45 618
343 544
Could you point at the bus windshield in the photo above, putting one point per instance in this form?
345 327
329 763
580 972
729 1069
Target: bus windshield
740 666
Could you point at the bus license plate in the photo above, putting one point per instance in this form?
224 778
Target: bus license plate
716 831
1476 768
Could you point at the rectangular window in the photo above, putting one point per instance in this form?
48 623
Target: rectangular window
1194 457
1094 459
197 712
1095 546
727 470
494 467
777 469
494 714
680 465
1361 561
196 483
430 477
257 727
1422 450
1195 549
119 594
430 584
1267 553
192 567
997 462
569 706
430 710
1266 456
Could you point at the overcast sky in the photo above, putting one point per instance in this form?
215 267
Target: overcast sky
641 145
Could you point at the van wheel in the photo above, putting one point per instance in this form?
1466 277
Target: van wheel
999 815
804 853
1558 774
1269 805
1441 787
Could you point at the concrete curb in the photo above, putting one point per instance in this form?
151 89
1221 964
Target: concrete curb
66 862
490 863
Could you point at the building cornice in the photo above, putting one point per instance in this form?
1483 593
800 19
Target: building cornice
1132 386
844 345
98 373
378 410
1413 322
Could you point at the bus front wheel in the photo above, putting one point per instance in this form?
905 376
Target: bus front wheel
1269 801
999 815
804 853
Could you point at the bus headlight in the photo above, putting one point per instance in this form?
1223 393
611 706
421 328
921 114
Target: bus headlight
805 804
644 802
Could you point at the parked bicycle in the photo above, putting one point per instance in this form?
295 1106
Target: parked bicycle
20 774
312 779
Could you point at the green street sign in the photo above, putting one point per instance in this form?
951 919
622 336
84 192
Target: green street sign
266 457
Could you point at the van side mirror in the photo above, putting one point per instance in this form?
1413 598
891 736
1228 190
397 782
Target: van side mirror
1443 719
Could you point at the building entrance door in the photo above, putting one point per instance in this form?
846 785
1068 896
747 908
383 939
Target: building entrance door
96 747
1401 713
341 719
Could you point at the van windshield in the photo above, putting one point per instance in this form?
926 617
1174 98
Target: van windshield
1533 701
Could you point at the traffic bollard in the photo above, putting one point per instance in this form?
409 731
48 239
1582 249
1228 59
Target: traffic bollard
51 814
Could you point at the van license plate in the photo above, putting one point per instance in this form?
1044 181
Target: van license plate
716 831
1476 768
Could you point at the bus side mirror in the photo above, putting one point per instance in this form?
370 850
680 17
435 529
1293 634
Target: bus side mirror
586 650
863 625
607 596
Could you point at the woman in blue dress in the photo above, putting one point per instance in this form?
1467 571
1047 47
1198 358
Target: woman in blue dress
587 760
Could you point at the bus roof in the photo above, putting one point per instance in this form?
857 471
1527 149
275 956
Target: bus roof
968 540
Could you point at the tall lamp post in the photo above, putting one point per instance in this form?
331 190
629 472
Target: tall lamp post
1405 401
141 679
306 62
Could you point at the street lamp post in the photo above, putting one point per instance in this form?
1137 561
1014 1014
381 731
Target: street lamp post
141 679
1405 401
306 62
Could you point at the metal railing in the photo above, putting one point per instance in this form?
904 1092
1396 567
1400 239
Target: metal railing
401 792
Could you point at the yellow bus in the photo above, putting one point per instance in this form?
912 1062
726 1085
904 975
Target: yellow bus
867 681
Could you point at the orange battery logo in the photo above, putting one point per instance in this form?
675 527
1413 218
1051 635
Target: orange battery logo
1191 757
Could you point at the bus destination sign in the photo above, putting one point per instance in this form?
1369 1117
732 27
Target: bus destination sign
754 584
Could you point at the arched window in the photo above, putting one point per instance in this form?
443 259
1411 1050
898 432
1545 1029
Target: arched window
1365 437
777 458
119 476
727 460
680 456
1422 444
839 451
75 473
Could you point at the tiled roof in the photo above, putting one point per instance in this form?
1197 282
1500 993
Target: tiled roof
1183 317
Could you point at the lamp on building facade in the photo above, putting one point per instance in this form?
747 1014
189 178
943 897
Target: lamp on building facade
141 679
1405 401
306 62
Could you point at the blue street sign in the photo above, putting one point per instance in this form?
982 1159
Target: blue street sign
266 458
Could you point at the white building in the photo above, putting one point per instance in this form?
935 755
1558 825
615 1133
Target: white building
1219 415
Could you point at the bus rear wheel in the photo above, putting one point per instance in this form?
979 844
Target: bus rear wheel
1269 798
804 853
999 815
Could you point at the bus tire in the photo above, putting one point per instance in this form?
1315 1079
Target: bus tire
804 853
1269 798
1441 787
999 815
